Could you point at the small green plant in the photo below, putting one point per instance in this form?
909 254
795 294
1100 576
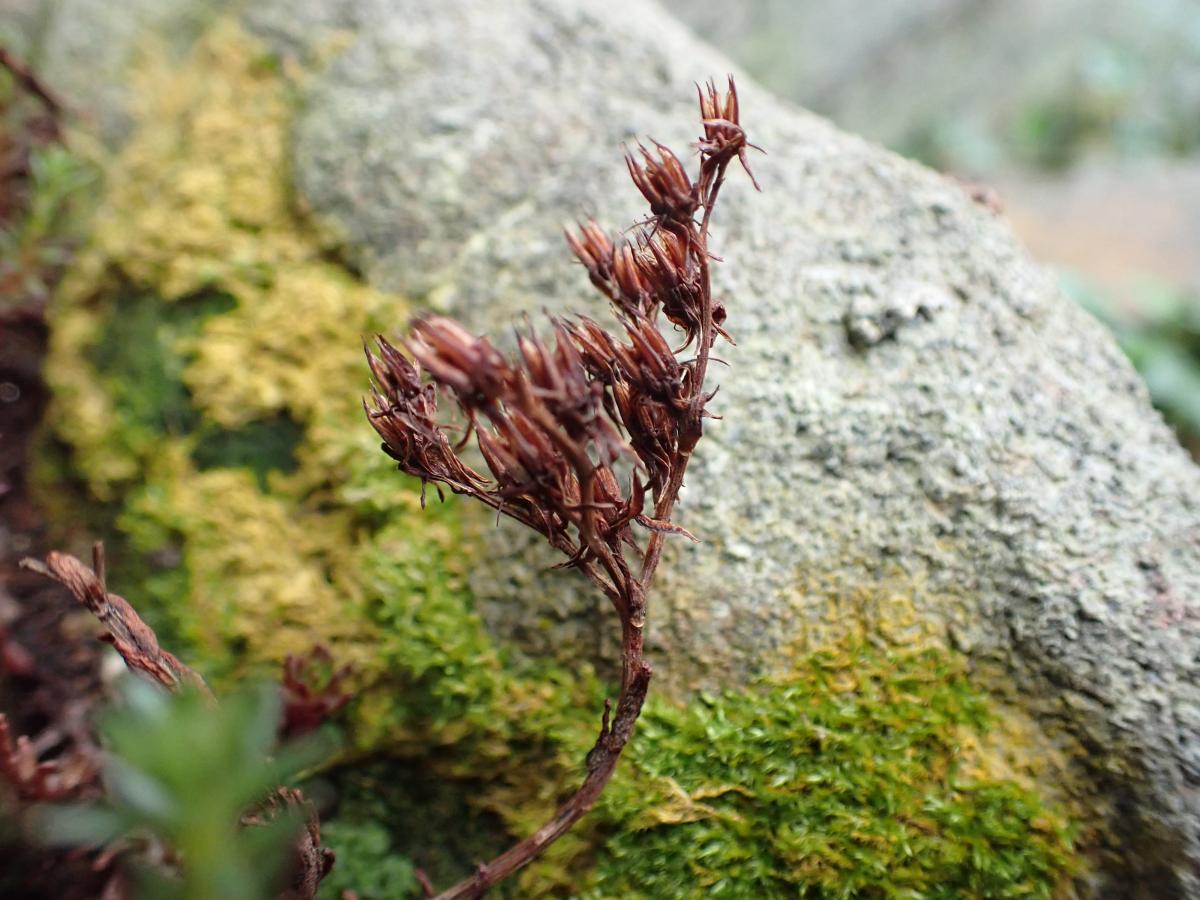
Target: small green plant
189 789
181 777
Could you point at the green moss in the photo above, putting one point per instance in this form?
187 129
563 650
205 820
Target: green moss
262 447
379 835
367 862
840 779
137 359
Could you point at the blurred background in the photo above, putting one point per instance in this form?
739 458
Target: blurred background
1081 117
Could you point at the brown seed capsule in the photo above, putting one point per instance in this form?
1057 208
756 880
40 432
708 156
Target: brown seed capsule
633 291
723 135
468 365
594 249
402 410
665 184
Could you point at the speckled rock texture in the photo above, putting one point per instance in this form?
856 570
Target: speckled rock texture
915 419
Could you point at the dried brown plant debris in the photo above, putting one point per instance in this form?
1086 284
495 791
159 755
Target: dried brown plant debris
587 437
131 637
313 691
34 781
310 861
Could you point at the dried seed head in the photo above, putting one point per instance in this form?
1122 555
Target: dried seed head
550 424
596 347
666 186
470 366
633 294
535 483
561 381
674 281
723 135
402 410
649 363
594 249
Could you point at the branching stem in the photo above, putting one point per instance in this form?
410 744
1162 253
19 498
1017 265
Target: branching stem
558 418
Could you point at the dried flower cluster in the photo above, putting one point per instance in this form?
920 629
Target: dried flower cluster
587 437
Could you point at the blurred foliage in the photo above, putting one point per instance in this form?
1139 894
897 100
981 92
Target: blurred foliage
368 863
1037 83
1158 326
45 193
392 816
180 772
1099 105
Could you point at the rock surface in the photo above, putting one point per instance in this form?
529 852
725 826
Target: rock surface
914 417
911 402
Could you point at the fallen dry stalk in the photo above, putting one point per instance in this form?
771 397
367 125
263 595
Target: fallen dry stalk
556 425
131 637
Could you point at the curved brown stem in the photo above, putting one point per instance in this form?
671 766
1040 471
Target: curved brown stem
601 764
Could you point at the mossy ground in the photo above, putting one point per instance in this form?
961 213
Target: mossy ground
207 372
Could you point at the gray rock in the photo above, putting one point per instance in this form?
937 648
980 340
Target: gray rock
913 415
21 24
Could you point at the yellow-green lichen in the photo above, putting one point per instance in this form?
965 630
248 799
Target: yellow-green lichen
204 305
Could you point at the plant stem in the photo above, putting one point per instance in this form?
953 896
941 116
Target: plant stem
602 762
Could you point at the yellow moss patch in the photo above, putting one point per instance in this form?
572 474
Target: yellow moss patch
200 193
258 567
291 350
204 304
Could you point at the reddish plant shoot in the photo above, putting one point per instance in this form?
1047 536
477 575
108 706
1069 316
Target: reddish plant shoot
586 437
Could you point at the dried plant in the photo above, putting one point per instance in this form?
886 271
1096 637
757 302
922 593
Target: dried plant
131 637
36 781
587 440
313 691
